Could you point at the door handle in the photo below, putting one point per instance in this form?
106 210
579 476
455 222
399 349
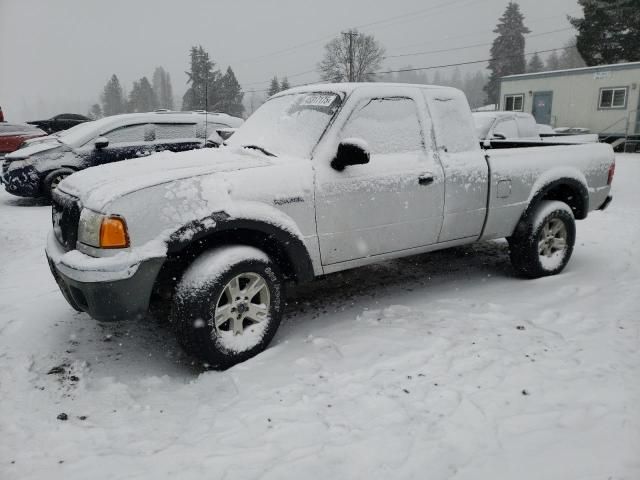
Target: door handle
426 179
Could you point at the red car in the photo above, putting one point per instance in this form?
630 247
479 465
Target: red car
13 134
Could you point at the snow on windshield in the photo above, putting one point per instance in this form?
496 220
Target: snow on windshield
289 124
80 134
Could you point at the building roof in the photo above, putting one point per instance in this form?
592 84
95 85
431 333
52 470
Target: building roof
573 71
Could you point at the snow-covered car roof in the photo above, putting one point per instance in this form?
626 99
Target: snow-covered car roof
84 132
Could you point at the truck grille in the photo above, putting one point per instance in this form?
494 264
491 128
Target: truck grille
65 216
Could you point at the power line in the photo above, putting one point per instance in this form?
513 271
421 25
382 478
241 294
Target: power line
432 67
364 25
470 63
299 74
412 15
477 32
471 46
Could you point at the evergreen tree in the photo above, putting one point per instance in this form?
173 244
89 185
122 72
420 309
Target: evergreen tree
571 57
274 87
609 31
553 62
95 112
535 64
202 80
284 84
507 51
112 98
142 98
162 88
231 95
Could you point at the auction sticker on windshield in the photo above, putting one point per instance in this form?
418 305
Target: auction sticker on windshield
318 100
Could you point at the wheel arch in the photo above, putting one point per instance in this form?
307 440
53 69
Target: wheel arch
570 190
285 247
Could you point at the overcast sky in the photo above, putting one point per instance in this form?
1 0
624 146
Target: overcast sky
57 55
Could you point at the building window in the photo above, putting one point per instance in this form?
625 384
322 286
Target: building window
514 103
613 98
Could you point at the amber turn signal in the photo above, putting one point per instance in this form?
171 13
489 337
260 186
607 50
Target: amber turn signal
113 233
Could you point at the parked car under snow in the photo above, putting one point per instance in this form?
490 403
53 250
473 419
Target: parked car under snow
37 169
60 122
500 129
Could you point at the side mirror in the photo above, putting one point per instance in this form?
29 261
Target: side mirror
225 133
351 151
499 136
101 142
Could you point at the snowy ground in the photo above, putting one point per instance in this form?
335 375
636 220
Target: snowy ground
443 366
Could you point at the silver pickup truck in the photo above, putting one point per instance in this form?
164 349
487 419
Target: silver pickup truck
320 179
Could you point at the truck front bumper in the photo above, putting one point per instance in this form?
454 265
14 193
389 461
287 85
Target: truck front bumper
106 288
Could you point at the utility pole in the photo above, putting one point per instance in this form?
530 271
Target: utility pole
351 34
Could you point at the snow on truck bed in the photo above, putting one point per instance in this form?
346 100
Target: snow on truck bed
442 366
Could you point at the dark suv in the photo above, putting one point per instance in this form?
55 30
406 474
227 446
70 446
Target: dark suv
60 122
36 170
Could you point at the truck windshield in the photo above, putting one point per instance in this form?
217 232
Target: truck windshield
288 125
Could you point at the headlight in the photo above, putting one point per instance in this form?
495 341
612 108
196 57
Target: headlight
102 231
16 164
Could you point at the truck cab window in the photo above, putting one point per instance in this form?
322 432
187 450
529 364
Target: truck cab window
388 125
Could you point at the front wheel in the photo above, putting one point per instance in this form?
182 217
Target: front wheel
543 241
228 305
53 179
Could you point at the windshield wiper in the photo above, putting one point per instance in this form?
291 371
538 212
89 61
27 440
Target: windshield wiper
262 149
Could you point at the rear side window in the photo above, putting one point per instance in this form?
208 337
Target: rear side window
388 125
175 131
452 121
128 134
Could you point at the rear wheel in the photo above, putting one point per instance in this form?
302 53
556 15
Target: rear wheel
543 241
228 305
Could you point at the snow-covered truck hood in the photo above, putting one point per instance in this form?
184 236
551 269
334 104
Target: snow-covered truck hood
96 187
160 194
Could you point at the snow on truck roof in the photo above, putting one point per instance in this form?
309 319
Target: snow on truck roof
350 87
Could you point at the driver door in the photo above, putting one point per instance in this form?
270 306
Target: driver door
393 203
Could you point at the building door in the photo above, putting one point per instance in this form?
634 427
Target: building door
542 107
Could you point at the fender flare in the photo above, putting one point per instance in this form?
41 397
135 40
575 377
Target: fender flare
574 184
276 238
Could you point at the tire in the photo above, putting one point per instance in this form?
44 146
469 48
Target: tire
543 240
222 322
52 180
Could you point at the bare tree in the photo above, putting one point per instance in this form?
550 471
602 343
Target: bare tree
352 56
